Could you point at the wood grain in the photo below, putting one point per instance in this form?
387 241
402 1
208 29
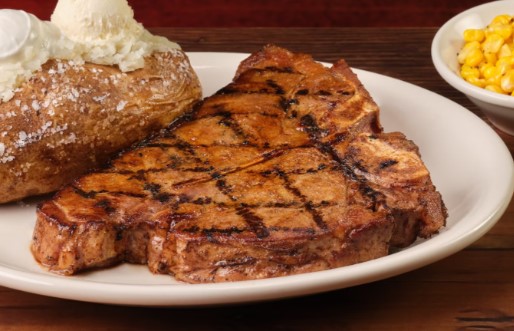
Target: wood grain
470 290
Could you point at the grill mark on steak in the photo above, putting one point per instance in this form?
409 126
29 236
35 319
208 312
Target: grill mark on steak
226 120
224 188
157 194
286 105
339 138
84 194
313 130
315 134
215 175
228 231
186 147
388 163
255 223
277 88
181 120
308 205
287 69
92 194
106 205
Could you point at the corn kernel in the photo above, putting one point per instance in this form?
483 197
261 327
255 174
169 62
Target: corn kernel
491 57
466 50
492 76
504 51
480 82
503 30
492 43
474 35
468 71
493 80
502 19
507 81
508 41
484 66
505 64
474 57
491 71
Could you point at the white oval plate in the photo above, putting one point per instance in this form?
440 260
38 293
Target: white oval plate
469 163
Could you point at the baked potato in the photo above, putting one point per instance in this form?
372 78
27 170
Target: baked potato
70 118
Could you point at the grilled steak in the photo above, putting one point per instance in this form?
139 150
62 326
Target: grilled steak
285 170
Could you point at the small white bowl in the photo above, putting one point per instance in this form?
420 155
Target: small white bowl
447 42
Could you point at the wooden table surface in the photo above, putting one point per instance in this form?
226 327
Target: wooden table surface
470 290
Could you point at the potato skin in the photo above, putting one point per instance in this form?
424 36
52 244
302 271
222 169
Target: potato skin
70 118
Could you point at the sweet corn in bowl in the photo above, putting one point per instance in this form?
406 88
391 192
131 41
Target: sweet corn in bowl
487 57
474 53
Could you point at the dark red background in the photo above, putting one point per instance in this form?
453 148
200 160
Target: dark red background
241 13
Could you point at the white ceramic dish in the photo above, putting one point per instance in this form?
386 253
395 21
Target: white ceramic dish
447 43
469 163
